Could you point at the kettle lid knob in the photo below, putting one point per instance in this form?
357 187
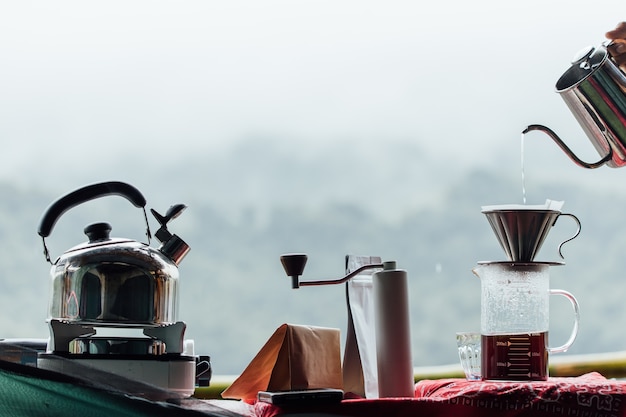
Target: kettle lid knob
583 55
98 231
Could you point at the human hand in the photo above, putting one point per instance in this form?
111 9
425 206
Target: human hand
617 48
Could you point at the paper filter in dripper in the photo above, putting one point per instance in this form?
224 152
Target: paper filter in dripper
521 229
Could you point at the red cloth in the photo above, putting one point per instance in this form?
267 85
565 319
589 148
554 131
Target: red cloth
589 395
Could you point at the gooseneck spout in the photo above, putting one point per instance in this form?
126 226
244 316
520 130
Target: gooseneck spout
568 151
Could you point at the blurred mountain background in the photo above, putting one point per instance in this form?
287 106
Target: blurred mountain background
234 292
329 128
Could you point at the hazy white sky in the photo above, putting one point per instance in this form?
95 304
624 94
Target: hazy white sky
461 78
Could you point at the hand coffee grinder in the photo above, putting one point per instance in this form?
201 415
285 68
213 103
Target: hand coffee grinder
114 302
392 323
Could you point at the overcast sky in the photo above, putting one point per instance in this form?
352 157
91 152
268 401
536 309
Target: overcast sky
461 78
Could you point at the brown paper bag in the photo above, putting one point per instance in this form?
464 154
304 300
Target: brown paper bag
295 357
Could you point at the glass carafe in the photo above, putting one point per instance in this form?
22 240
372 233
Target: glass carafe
515 320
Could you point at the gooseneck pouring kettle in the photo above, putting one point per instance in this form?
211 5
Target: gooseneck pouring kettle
594 90
114 301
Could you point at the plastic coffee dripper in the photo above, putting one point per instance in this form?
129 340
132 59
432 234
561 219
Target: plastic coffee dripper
522 229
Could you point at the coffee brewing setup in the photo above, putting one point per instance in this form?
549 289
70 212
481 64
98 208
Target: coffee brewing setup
114 301
515 295
515 292
392 324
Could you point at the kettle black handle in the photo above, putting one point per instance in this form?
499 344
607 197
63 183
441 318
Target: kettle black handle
82 195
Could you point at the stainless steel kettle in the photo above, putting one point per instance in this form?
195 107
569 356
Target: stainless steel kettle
594 89
111 280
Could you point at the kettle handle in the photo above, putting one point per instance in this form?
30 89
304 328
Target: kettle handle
84 194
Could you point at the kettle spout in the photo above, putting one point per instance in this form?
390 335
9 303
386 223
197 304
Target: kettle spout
567 150
172 246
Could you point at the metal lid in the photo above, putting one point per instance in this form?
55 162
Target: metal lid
99 235
584 63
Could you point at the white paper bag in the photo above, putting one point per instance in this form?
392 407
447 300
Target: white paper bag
360 374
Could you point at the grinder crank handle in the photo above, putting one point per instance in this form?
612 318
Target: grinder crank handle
87 193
